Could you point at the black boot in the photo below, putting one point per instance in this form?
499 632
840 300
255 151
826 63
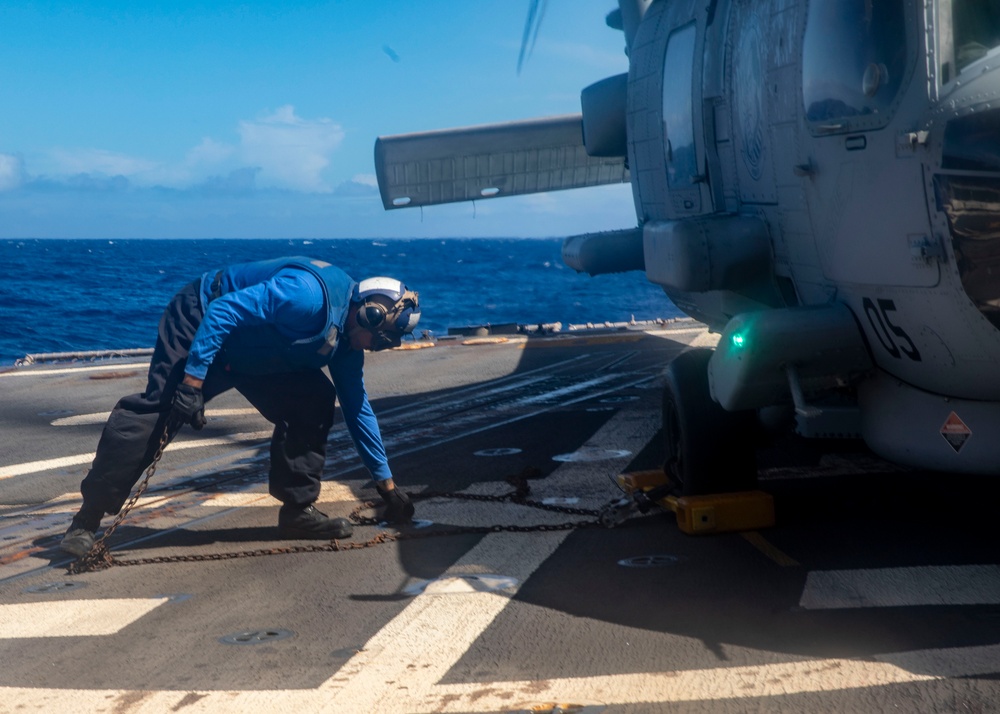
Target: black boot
308 523
80 537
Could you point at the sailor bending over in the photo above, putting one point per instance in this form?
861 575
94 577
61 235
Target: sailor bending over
265 329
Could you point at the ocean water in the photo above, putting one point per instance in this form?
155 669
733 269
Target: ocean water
79 295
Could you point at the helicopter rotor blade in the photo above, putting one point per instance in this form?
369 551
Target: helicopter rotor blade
536 11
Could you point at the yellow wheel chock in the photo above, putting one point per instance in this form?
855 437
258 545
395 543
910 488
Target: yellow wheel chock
696 515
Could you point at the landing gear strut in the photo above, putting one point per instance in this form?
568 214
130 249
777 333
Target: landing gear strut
708 449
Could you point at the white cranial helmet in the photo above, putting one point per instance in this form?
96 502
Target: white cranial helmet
388 308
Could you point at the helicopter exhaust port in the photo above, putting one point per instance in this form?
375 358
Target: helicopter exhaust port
608 252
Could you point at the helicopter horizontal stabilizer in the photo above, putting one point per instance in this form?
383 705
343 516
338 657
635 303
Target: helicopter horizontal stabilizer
488 161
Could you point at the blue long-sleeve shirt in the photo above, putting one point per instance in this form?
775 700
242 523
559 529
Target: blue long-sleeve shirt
293 302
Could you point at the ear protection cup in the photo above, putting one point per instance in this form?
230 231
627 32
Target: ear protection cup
371 315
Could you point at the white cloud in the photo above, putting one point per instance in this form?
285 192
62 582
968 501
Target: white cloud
237 181
291 152
11 172
99 161
206 162
356 189
279 150
209 153
366 179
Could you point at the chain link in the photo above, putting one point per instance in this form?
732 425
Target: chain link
99 557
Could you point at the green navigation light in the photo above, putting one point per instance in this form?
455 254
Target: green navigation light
738 341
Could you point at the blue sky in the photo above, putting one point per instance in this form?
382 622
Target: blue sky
258 119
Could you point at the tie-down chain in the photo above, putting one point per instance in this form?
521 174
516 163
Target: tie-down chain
99 557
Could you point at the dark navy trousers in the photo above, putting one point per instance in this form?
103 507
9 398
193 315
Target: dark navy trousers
299 404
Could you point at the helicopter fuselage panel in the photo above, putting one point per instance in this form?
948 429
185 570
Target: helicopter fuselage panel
827 160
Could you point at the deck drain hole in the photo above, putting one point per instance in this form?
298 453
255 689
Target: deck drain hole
504 451
256 637
55 587
591 454
622 399
650 561
460 584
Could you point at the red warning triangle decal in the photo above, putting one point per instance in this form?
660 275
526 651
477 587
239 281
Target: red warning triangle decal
955 432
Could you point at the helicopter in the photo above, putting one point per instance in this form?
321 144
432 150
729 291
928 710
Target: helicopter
818 181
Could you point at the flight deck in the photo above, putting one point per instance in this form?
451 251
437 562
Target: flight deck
877 589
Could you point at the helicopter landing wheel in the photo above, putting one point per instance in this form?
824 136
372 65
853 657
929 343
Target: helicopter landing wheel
708 449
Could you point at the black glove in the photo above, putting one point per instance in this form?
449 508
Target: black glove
188 407
398 508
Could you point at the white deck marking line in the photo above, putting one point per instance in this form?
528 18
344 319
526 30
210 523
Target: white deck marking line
398 669
726 683
45 465
436 630
73 618
706 685
69 504
81 419
256 495
556 394
330 492
448 628
142 367
902 587
62 462
101 417
705 339
949 661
